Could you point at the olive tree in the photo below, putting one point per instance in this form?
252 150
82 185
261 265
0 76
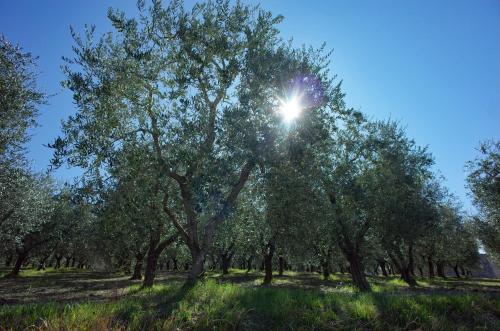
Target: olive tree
200 90
31 222
484 183
19 100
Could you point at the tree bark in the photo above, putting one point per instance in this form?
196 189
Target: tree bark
226 262
150 272
137 275
21 258
176 266
421 272
154 253
197 268
8 259
326 270
440 269
357 271
382 267
407 276
225 257
58 261
41 264
67 261
281 265
430 267
268 262
249 263
455 268
189 231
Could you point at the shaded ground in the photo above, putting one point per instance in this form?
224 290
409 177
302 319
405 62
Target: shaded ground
83 300
71 286
81 286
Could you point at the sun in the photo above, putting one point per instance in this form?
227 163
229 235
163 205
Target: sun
290 109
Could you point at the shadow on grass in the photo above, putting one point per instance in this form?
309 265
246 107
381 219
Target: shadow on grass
219 303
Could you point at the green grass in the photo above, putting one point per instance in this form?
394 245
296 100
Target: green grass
33 272
211 305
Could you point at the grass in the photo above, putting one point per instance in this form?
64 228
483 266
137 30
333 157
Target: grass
219 303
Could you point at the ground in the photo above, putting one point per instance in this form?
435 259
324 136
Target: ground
70 299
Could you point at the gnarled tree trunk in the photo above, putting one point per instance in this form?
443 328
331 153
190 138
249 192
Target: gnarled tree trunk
281 264
382 267
225 258
137 275
249 263
430 267
58 261
268 262
21 258
455 268
357 271
440 269
154 252
8 259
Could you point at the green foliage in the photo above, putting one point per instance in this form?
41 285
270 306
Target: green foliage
19 99
484 182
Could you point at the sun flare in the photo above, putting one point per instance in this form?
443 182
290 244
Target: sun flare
290 109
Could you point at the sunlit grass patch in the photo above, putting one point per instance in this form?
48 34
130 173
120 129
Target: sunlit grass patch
222 305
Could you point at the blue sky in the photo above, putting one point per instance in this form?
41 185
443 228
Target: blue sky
432 65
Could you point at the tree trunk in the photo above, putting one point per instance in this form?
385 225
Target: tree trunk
404 266
8 259
150 272
268 268
430 267
137 275
41 265
421 272
197 268
154 252
268 262
440 269
357 271
249 263
455 268
43 260
73 261
176 267
67 261
58 261
326 270
408 277
21 258
411 264
226 256
281 265
225 259
382 267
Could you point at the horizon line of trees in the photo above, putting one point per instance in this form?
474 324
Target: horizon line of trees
190 166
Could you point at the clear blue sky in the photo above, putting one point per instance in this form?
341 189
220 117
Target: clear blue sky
433 65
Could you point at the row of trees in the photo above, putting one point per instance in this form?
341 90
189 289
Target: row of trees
189 163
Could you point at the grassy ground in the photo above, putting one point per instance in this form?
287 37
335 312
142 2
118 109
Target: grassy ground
74 300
